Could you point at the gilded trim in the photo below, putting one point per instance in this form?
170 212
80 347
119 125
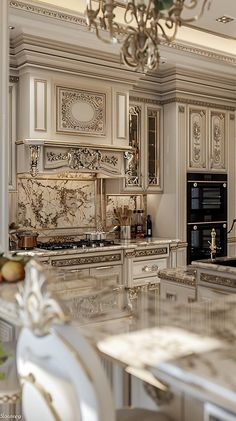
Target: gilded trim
45 395
85 260
49 13
217 280
198 103
149 252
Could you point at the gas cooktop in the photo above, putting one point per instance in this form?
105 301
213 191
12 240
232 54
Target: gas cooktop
81 244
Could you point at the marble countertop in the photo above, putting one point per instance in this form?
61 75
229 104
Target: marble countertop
182 275
118 245
192 345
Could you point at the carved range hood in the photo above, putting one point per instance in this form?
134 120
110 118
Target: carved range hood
39 156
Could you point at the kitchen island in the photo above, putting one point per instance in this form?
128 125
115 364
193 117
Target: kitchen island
188 346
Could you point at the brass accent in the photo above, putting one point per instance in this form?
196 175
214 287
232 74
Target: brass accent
212 243
34 158
57 156
135 290
85 260
44 129
149 252
66 120
181 109
207 223
217 280
45 395
37 309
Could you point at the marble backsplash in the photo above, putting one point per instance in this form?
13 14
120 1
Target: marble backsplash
70 206
56 203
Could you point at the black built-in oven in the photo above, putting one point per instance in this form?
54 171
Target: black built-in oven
206 209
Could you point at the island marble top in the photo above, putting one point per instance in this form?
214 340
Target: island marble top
191 345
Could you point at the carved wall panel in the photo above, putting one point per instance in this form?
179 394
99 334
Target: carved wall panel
87 159
217 140
80 112
197 138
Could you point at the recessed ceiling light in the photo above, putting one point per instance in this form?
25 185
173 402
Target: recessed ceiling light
11 27
224 19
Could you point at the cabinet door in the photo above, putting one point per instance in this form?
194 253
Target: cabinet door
108 275
133 170
172 291
218 140
197 135
153 150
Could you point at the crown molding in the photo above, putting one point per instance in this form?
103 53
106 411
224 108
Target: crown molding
77 19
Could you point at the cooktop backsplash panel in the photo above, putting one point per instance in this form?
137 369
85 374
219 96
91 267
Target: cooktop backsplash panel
56 203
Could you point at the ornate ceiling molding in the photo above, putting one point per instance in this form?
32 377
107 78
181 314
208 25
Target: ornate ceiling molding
200 52
77 19
198 103
48 12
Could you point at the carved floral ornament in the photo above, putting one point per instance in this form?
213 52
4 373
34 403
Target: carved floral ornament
37 309
80 112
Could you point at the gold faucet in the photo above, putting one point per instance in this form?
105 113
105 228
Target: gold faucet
212 243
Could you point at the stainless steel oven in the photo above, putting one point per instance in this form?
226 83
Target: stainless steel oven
206 209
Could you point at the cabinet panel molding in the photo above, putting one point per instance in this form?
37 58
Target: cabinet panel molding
80 111
217 140
197 138
40 105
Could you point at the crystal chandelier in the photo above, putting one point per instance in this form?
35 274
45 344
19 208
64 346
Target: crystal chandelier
140 26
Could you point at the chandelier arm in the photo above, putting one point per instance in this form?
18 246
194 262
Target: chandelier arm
168 38
130 8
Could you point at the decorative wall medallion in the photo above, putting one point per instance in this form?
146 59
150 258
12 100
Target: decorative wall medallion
80 112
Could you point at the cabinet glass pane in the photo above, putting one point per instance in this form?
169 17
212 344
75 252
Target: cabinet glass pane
133 169
153 148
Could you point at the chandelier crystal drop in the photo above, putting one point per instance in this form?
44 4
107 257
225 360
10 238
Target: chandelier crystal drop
140 25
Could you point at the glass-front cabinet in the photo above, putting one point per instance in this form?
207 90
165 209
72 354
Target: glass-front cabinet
144 163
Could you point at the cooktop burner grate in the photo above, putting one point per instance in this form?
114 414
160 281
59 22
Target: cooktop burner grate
75 244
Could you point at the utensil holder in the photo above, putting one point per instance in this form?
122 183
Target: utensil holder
125 232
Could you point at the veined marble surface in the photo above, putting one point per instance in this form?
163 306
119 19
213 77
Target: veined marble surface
56 203
190 345
185 275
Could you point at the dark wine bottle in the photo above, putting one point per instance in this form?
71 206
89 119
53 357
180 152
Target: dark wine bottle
149 226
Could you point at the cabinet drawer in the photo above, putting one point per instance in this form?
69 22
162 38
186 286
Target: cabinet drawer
147 268
108 275
147 280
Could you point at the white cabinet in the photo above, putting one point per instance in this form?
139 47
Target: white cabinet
172 291
207 138
12 136
141 265
215 413
144 163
